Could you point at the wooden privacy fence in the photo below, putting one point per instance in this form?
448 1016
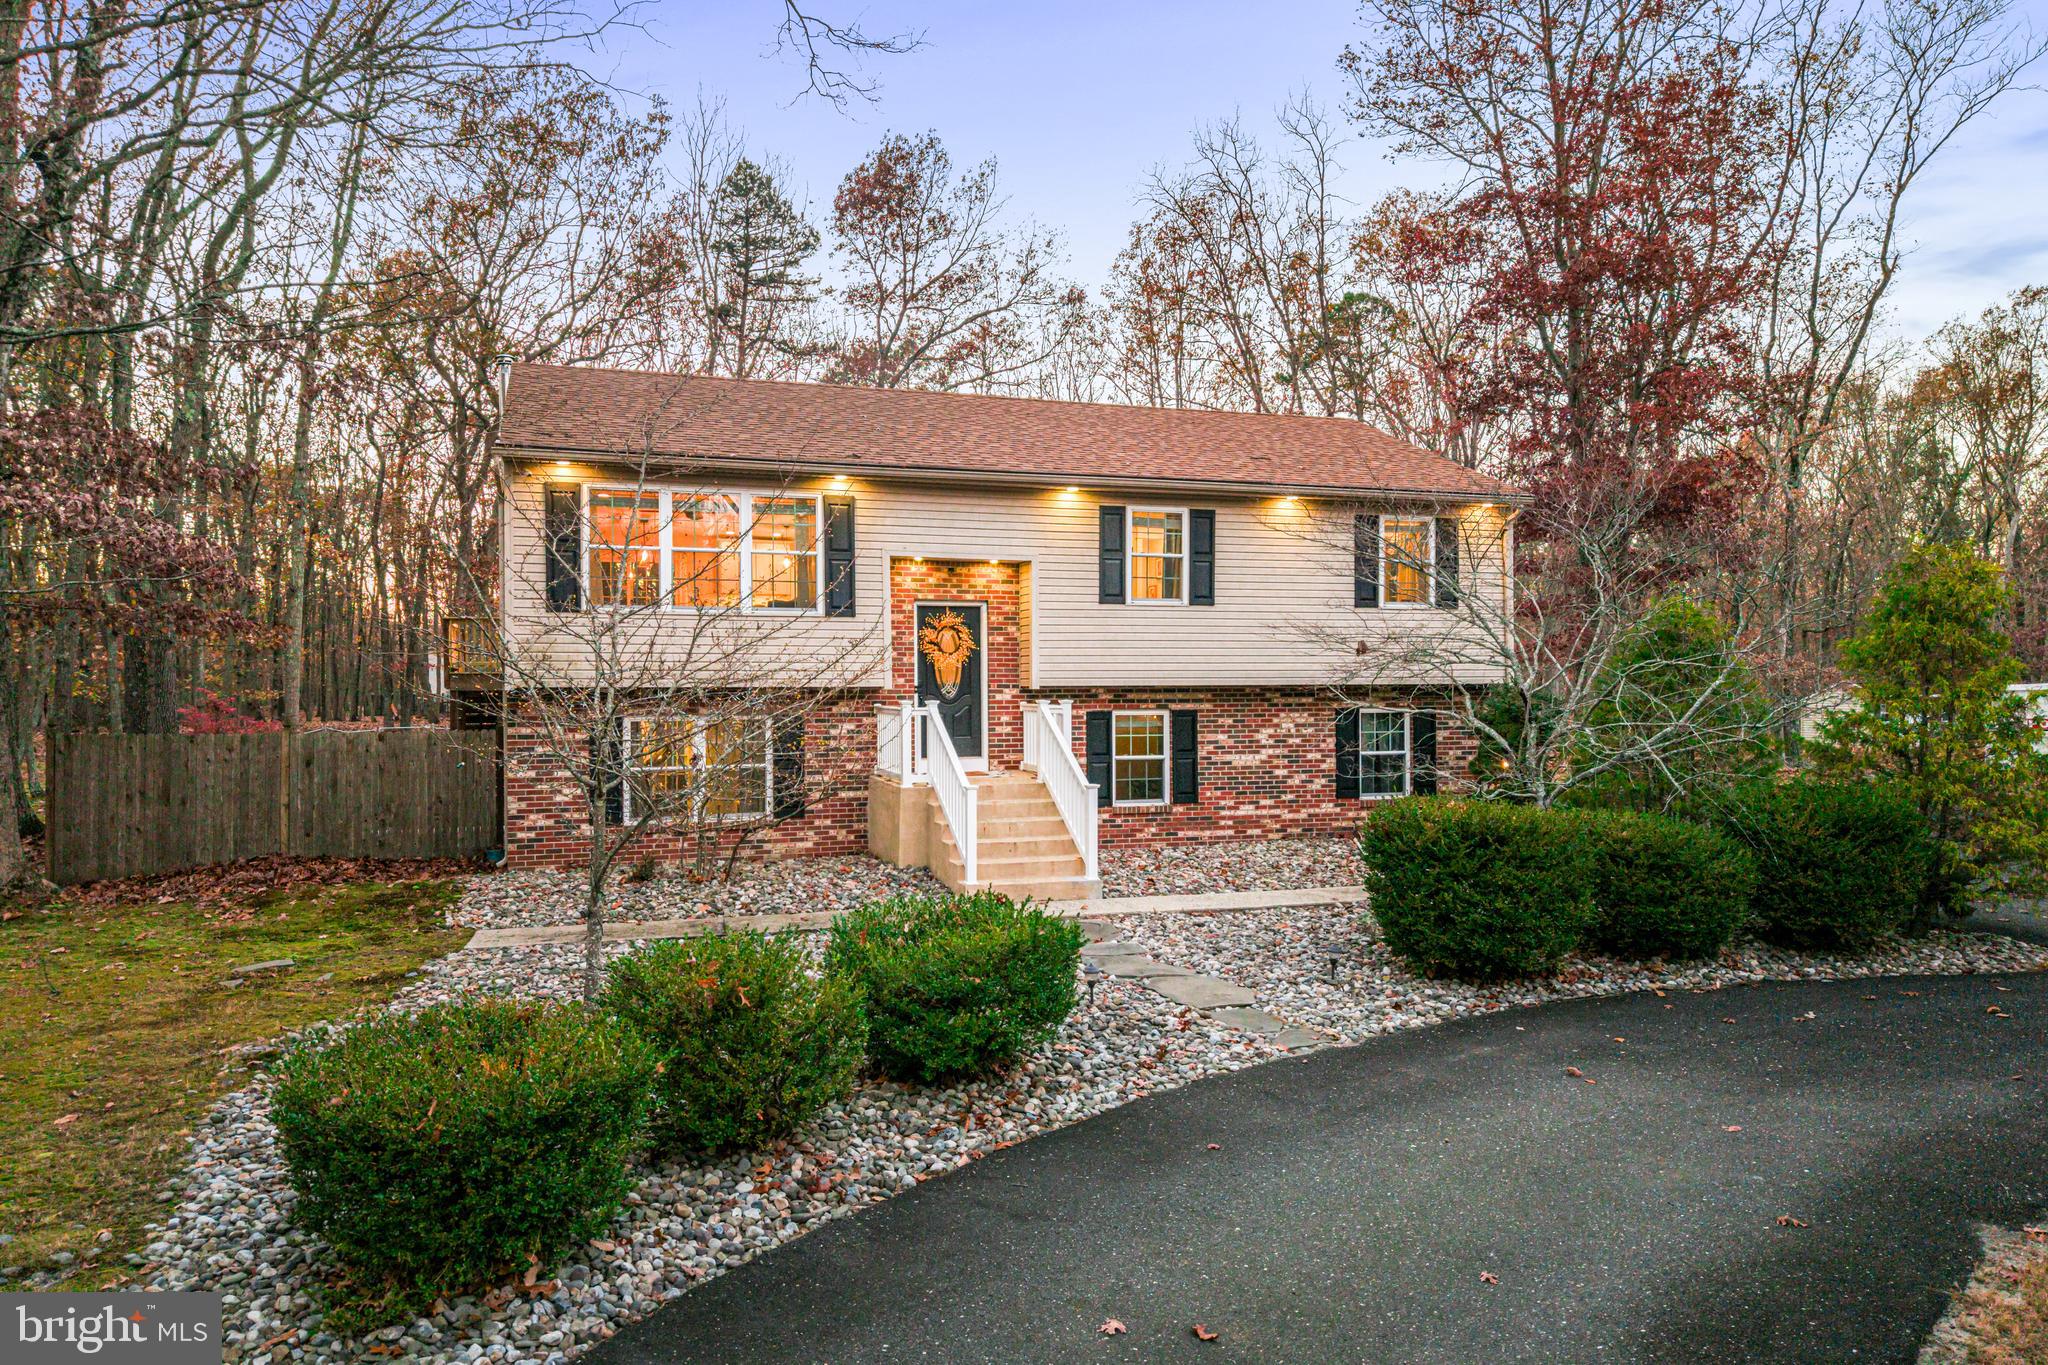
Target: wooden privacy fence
130 805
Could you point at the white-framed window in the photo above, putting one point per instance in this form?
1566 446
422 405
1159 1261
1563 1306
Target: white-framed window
784 532
624 547
1137 758
703 550
1407 561
1383 754
1157 554
704 558
724 768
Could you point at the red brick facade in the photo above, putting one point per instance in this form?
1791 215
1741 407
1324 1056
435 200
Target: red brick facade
547 823
1266 767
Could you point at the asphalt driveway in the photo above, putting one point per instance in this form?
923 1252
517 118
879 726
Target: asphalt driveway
1455 1194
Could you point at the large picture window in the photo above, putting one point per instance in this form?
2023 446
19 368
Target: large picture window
1159 555
1383 753
652 547
1407 549
1138 758
723 768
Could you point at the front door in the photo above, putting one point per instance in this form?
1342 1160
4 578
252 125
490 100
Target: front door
951 653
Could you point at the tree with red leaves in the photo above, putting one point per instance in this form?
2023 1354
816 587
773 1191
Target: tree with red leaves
1619 208
82 547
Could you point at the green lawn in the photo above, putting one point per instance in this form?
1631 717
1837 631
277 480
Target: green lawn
116 1028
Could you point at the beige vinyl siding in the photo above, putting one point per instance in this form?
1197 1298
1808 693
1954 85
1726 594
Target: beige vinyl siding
1283 613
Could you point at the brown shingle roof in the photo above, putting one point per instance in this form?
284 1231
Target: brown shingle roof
557 409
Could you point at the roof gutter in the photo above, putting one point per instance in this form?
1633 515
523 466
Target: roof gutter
1010 478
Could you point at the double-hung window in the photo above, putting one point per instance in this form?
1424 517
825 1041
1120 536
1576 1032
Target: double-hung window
1137 759
704 566
785 536
1383 751
625 547
738 772
647 547
722 769
1408 550
1158 554
661 766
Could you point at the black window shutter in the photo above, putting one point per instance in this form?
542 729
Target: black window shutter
839 557
1186 758
1202 557
1365 564
788 763
1110 584
564 534
1347 752
1098 756
607 750
1422 753
1446 562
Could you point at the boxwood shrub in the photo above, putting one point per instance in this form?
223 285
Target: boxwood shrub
1664 887
440 1151
1839 865
956 985
751 1043
1477 889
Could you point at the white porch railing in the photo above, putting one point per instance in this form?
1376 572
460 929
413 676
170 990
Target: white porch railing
898 750
1049 752
958 799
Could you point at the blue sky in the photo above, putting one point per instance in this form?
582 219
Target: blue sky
1079 101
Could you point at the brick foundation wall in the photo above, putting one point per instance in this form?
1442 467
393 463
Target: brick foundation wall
1267 767
548 825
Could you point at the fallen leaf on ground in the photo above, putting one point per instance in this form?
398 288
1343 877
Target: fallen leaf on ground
1786 1220
1488 1277
1203 1334
1215 1146
67 1119
1573 1071
1112 1328
2035 1234
1731 1127
1726 1020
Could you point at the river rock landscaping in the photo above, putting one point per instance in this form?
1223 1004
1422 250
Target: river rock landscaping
514 900
1285 957
1252 865
230 1224
528 899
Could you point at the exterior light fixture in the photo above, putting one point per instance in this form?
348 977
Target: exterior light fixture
1091 976
1333 956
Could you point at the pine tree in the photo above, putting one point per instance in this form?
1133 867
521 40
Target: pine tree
760 242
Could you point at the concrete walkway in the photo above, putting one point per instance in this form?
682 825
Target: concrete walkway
1786 1172
626 930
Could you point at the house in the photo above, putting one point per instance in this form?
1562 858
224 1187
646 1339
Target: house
1063 626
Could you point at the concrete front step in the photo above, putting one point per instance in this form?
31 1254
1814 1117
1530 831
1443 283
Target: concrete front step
1023 827
1047 845
1050 889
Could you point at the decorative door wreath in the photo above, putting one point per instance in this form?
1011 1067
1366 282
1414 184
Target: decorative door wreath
947 643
